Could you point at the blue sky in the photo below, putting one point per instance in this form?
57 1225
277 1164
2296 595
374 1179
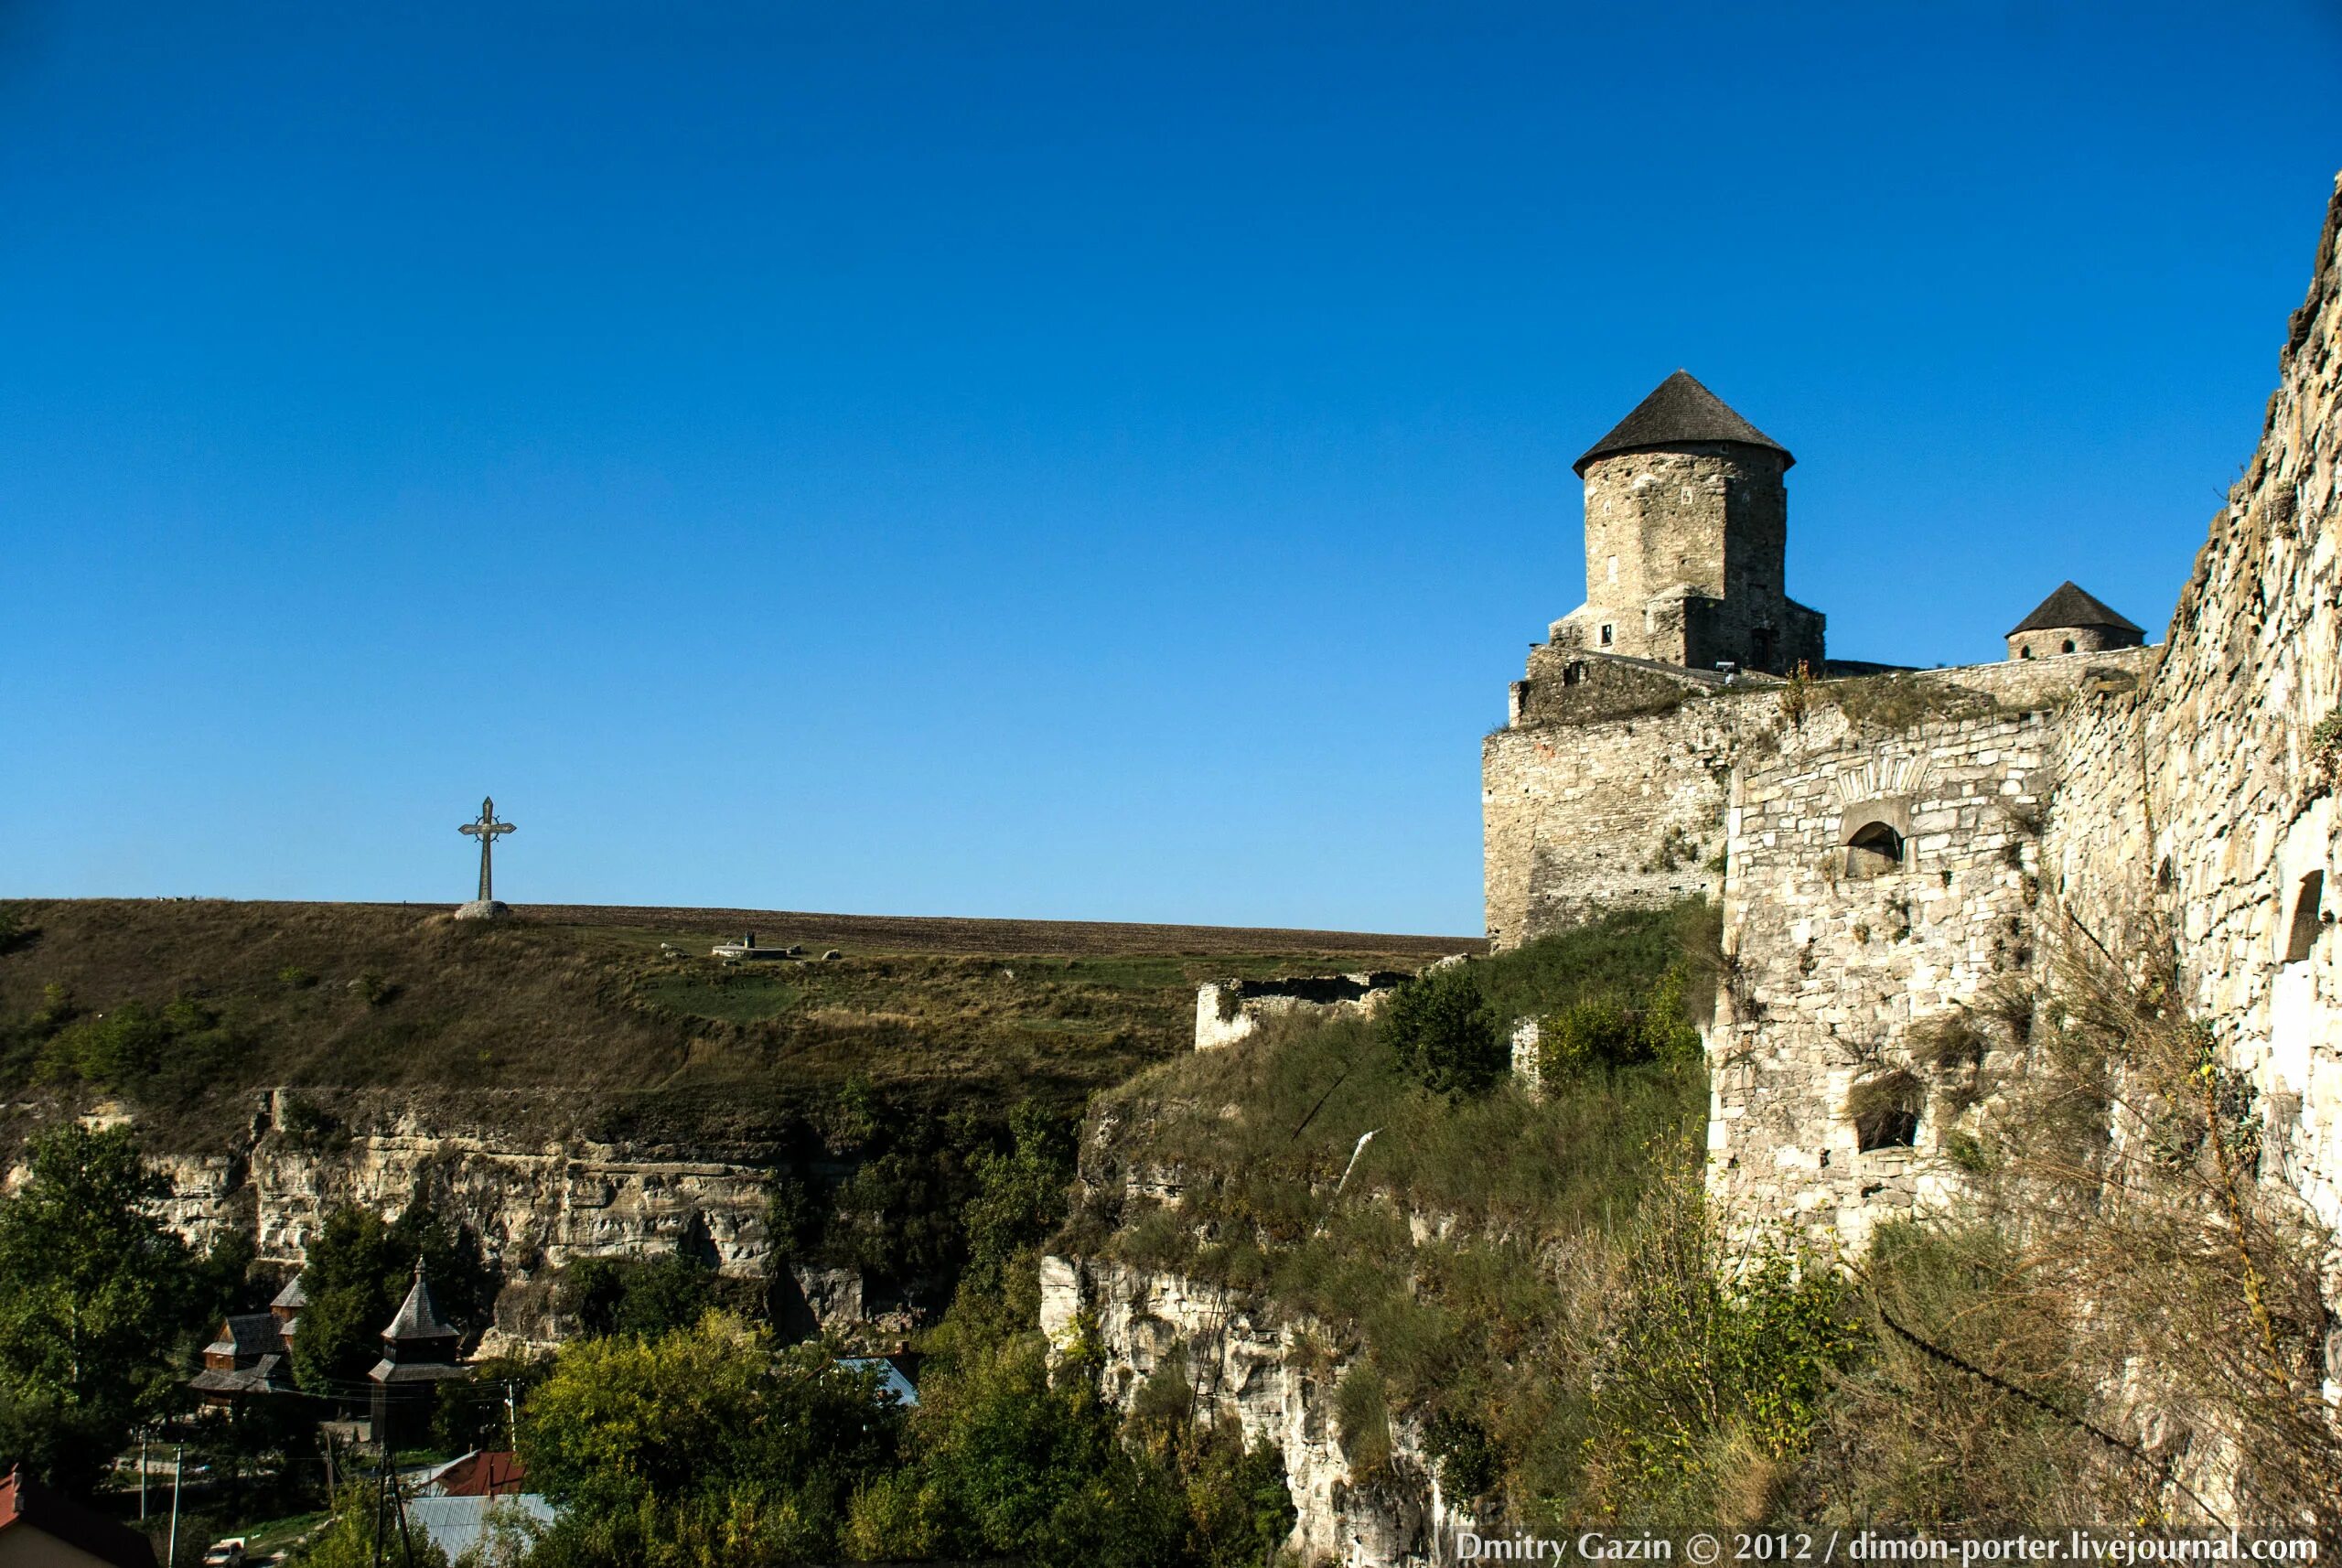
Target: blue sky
1099 462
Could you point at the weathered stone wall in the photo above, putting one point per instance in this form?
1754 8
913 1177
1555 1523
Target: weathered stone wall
1582 812
1581 818
2208 795
1228 1011
2188 789
1684 552
1855 969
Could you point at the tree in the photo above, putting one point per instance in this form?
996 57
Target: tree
1013 1463
642 1296
363 1525
1445 1035
707 1444
93 1288
359 1269
1020 1194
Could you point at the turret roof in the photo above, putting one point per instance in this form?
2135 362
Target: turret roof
1680 411
2071 607
418 1315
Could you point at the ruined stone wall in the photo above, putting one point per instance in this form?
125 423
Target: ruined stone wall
2208 795
2186 789
1578 818
1582 812
1861 992
1228 1011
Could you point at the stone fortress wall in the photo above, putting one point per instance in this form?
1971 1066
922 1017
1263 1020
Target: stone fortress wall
1867 993
2208 795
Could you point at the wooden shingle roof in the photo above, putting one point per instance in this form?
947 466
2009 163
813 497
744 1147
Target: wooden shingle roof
1679 412
2069 606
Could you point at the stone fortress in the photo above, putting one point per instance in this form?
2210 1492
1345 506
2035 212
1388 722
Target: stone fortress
1894 852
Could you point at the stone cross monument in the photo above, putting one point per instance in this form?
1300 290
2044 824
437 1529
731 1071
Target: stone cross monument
486 829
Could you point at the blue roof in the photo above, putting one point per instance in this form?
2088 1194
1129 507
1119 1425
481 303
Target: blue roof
457 1525
891 1380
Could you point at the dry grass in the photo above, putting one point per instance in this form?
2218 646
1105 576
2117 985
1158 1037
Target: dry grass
582 1019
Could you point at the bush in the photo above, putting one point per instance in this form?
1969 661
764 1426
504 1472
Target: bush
1363 1418
645 1297
1721 1358
1445 1035
1609 1029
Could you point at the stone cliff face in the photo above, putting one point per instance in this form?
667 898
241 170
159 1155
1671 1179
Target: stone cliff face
537 1206
1271 1374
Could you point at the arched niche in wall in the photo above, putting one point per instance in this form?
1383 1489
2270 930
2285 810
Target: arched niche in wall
1886 1111
1875 837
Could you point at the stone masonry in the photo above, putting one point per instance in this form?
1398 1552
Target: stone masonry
1897 856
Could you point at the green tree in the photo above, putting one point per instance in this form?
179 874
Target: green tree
360 1522
642 1296
1020 1196
1444 1034
709 1445
94 1289
1013 1463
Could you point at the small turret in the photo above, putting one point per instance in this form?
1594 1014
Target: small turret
2071 621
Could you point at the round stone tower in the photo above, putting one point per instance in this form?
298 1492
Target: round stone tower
2071 621
1686 532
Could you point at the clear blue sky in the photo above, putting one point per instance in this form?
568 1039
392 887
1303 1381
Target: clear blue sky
1090 461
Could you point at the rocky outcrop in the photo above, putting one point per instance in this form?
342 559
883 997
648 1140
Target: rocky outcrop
538 1204
1275 1377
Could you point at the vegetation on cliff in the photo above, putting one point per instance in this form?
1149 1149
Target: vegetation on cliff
1535 1294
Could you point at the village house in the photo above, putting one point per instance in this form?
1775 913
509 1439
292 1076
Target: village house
40 1530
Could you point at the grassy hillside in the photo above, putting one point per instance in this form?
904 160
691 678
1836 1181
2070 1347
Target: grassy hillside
605 1020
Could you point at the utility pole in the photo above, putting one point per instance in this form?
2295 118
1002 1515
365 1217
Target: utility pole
178 1472
386 1497
406 1542
512 1421
142 1473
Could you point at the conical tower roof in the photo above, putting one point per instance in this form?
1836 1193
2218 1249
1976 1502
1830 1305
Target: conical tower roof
2069 606
1679 412
418 1316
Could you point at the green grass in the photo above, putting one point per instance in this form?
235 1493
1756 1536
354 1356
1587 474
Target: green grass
722 995
1469 1257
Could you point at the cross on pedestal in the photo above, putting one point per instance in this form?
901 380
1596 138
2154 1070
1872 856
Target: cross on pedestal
486 829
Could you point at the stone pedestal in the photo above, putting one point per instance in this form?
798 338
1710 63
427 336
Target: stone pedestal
484 909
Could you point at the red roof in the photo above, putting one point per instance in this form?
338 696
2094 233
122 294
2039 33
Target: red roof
481 1474
27 1504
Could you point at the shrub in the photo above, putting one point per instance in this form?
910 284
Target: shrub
1363 1418
1721 1357
1607 1029
1445 1035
